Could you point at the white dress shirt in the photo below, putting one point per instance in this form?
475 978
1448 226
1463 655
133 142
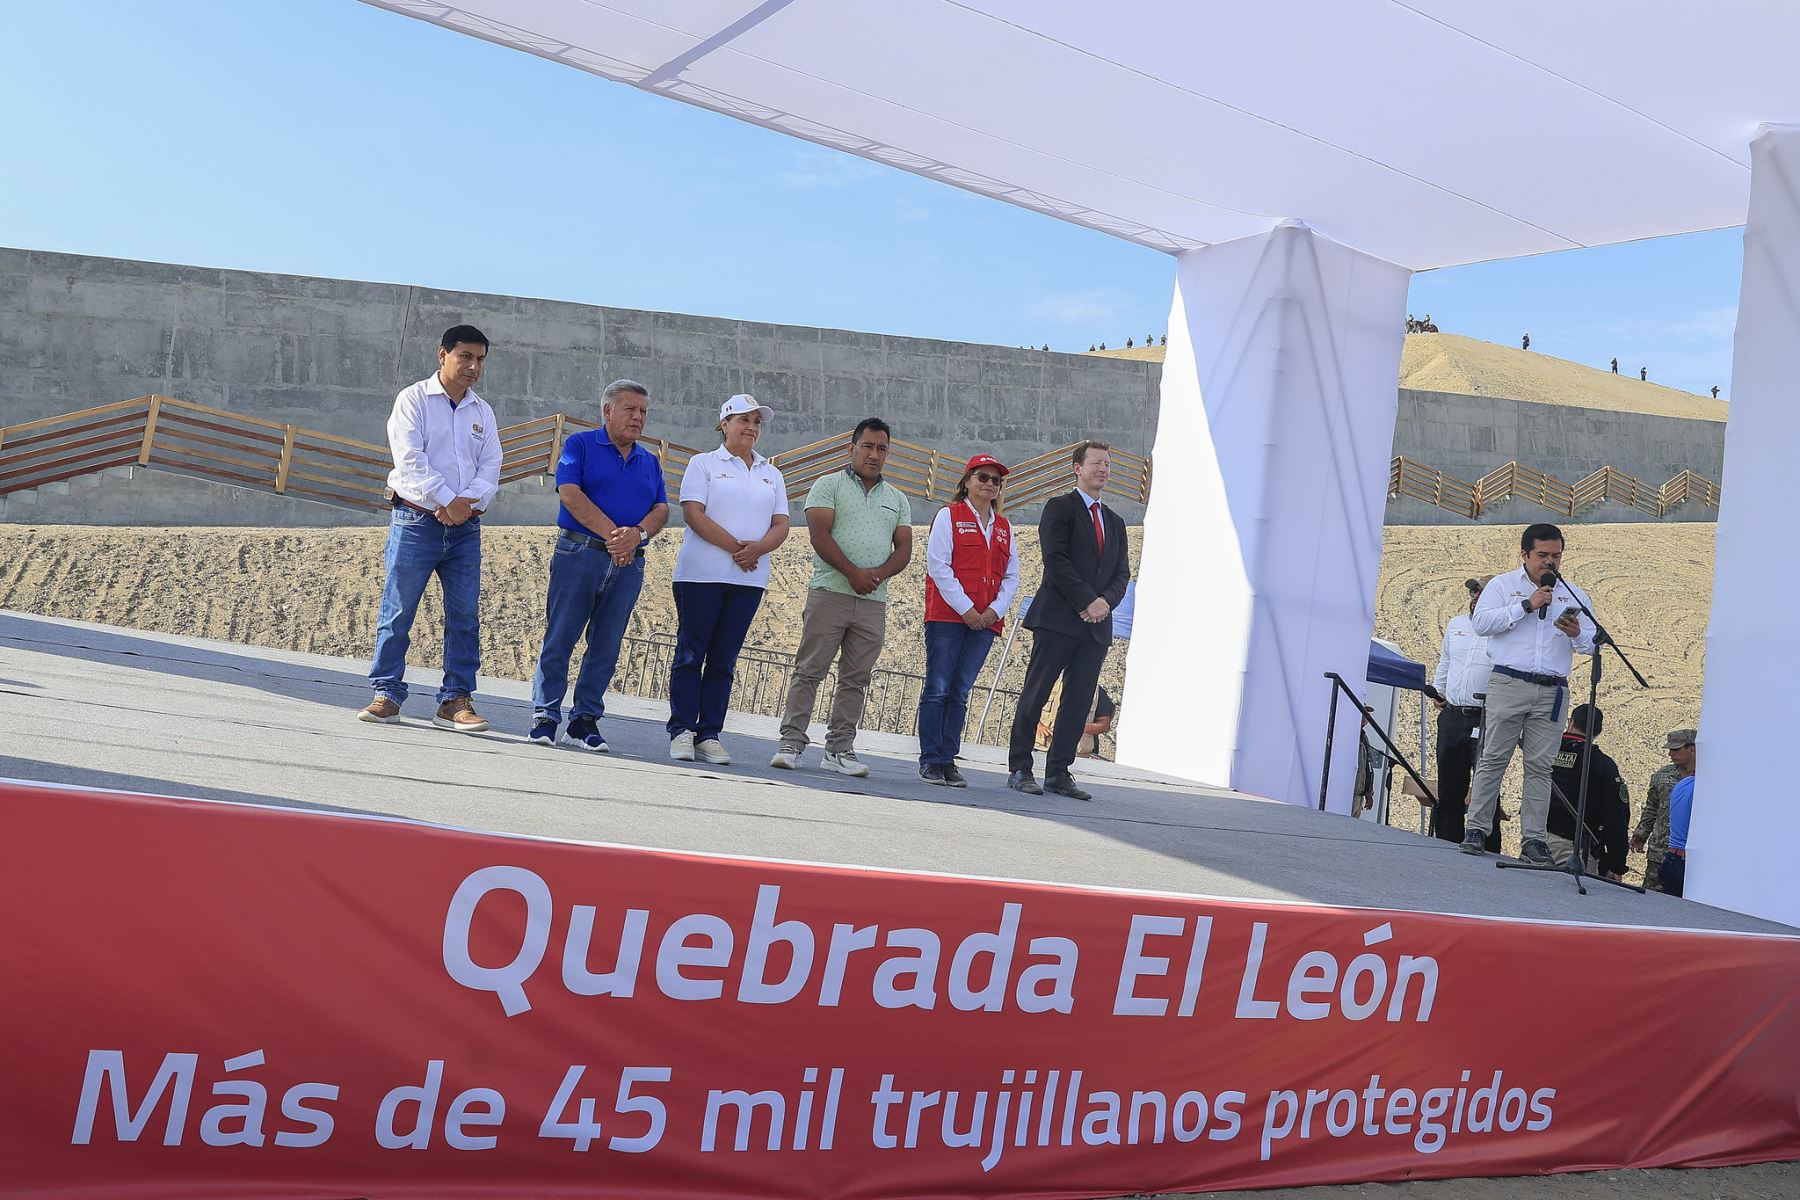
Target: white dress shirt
1463 664
443 449
744 500
938 549
1521 640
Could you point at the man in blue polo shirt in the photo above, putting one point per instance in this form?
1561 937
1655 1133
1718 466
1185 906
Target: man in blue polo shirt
613 502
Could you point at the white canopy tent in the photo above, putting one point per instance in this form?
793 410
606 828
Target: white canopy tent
1301 159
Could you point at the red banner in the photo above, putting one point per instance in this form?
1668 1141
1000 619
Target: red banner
207 999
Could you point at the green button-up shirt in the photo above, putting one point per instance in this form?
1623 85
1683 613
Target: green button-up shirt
862 524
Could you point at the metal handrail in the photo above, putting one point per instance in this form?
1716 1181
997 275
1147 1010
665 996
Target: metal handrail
1368 717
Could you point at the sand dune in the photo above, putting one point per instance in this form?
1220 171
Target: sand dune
1449 362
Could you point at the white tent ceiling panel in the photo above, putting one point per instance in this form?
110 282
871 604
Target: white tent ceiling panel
1709 72
1425 132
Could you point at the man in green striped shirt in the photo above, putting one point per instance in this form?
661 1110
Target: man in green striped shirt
861 530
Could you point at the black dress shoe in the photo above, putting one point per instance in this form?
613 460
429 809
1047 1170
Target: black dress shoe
1065 785
954 777
1022 781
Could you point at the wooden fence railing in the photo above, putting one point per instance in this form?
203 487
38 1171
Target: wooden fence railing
932 475
1420 482
1516 481
193 439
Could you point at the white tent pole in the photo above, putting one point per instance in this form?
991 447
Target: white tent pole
1743 841
1260 552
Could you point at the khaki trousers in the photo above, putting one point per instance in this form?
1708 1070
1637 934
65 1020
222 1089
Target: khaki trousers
1562 849
850 629
1519 714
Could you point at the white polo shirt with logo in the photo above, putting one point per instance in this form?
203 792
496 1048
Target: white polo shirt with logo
741 499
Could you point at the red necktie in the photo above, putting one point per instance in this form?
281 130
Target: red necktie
1099 528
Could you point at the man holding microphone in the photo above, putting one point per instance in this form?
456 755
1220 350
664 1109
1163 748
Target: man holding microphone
1532 649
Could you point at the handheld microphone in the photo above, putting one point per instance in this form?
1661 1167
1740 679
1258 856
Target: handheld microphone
1548 579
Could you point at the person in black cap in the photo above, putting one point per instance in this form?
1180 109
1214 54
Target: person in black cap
1608 805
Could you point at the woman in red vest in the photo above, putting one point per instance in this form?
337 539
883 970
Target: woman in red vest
972 573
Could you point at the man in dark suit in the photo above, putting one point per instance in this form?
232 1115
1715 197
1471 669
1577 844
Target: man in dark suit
1086 569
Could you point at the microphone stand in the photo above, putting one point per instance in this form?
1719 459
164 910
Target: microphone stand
1575 866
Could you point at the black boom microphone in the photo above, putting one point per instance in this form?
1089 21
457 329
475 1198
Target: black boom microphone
1547 580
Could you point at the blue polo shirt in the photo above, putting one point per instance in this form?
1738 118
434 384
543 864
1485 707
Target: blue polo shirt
624 489
1681 809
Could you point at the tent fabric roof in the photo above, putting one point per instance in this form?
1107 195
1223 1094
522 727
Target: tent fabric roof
1395 669
1424 132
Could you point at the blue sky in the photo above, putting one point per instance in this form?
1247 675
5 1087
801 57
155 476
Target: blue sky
330 138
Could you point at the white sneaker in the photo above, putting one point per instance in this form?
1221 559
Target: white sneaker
681 747
787 757
712 751
844 764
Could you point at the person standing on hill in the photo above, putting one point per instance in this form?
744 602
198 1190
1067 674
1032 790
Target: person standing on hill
971 577
1086 570
613 502
735 504
446 448
861 531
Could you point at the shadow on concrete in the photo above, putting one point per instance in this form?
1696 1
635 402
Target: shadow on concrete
60 775
249 667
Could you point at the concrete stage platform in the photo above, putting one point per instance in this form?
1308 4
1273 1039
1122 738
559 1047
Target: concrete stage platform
106 707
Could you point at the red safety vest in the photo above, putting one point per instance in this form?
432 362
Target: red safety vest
980 566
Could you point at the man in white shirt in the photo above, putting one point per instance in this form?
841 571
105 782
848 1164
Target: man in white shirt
446 447
1461 681
1533 628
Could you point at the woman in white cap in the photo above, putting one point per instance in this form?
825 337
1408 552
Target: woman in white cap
971 576
735 505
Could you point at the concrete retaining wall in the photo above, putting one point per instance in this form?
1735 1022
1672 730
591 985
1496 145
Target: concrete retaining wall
77 331
328 353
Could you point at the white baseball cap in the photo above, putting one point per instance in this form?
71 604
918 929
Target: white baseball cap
743 403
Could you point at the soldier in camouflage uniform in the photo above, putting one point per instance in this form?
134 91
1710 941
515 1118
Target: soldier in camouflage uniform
1652 832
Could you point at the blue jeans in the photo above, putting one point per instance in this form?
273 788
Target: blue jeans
417 547
587 593
954 654
714 620
1672 874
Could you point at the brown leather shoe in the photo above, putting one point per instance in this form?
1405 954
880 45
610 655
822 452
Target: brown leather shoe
459 715
381 709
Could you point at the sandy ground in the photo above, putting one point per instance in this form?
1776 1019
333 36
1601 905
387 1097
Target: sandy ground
318 590
1449 362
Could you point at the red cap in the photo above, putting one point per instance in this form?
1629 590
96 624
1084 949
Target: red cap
986 460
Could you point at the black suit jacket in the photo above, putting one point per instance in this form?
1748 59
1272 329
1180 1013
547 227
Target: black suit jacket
1076 570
